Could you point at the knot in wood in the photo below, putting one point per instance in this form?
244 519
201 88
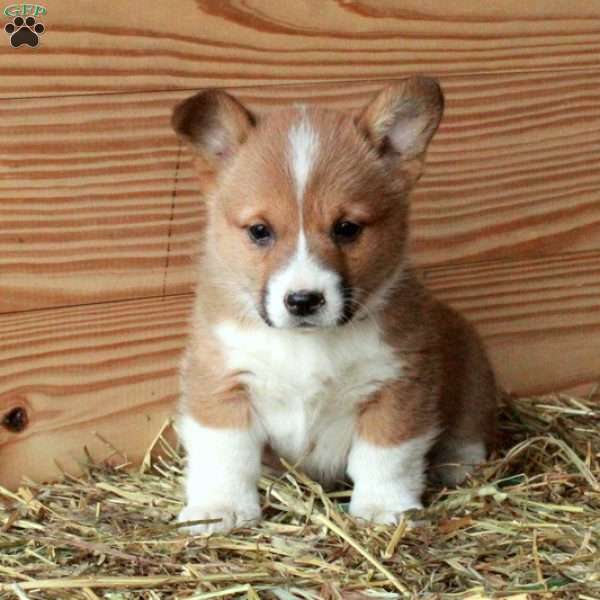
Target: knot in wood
16 419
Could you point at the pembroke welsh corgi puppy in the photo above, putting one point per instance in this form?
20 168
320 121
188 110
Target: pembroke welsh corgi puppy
311 334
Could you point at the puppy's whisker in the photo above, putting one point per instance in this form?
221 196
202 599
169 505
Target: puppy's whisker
362 308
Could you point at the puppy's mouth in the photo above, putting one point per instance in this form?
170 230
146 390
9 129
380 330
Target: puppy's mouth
296 324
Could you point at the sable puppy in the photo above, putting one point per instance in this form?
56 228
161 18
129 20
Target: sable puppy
311 333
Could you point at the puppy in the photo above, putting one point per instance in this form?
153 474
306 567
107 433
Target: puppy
311 333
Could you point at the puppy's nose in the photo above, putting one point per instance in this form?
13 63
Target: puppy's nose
304 302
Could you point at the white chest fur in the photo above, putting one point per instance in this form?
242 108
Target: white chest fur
305 386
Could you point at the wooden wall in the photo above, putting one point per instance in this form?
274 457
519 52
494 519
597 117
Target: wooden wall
99 210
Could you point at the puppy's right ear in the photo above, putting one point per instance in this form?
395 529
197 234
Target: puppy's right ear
214 123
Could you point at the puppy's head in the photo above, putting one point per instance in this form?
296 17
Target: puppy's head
308 214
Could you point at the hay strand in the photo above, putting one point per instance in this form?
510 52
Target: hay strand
526 525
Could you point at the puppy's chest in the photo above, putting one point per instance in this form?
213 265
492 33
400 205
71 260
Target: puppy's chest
305 387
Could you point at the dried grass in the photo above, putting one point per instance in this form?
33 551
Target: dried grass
527 525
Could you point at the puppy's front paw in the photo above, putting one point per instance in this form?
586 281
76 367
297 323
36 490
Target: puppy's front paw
225 517
382 514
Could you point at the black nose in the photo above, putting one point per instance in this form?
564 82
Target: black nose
304 302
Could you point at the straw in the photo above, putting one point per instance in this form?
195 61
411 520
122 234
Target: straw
526 525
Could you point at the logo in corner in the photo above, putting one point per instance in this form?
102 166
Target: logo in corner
24 29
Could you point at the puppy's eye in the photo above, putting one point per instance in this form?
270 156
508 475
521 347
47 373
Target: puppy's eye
346 231
260 234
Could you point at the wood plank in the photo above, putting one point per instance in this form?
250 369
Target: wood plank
118 45
97 202
108 369
89 199
111 368
539 317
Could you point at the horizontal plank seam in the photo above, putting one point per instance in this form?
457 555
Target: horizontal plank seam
303 82
428 269
505 260
100 303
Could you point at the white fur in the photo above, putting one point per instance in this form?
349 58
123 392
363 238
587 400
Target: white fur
223 471
388 480
303 272
305 386
304 147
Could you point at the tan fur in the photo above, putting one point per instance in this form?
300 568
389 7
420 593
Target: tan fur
211 394
447 374
447 380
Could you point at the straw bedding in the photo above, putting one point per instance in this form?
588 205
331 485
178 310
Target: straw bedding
526 525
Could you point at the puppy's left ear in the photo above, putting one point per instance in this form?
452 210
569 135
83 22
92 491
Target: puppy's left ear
400 122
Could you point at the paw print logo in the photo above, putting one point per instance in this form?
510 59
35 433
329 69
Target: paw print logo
24 31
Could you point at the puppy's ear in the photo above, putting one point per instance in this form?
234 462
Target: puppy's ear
214 123
400 122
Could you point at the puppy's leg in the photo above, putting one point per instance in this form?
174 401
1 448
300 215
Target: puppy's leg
468 398
223 441
222 475
387 460
388 480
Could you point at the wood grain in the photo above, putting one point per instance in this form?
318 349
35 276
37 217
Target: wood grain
117 45
100 212
90 198
539 317
98 202
108 369
111 368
